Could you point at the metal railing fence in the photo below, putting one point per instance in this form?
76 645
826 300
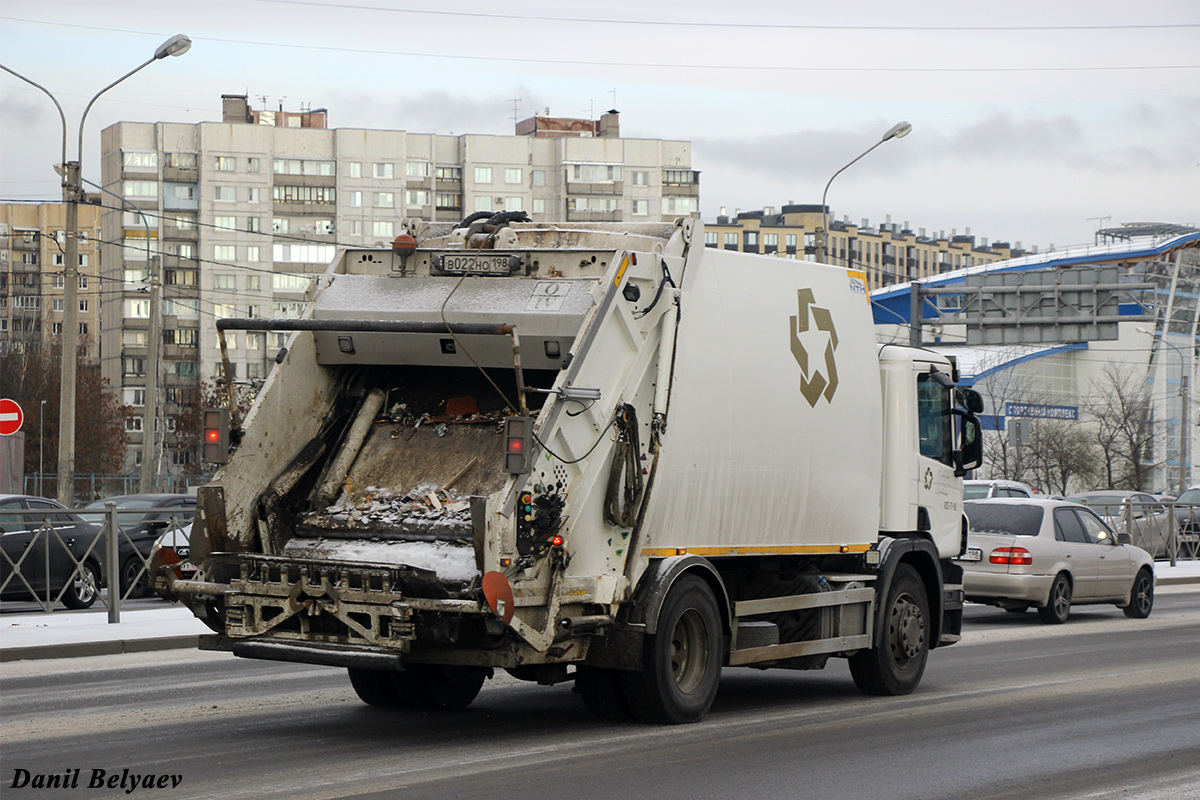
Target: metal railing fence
92 486
49 557
1167 530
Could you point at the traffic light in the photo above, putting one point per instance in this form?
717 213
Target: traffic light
517 439
215 433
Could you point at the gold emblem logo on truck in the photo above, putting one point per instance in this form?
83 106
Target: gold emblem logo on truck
814 383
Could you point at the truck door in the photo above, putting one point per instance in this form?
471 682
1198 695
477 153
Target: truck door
938 492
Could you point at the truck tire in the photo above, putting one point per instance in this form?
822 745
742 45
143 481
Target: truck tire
1141 596
439 687
602 693
374 687
681 664
895 664
130 578
83 588
1058 607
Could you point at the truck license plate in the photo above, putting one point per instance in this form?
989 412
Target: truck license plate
478 264
972 554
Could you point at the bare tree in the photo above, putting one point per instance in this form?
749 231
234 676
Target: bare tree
1120 407
31 376
1062 455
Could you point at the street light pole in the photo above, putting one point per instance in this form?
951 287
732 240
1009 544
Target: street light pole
897 131
1185 433
72 188
41 447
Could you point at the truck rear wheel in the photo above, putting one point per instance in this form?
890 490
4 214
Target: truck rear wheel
895 664
602 693
374 687
681 664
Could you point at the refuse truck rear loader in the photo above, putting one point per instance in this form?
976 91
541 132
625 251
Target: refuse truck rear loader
601 453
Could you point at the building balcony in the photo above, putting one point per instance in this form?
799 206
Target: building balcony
190 234
594 216
612 188
681 190
181 174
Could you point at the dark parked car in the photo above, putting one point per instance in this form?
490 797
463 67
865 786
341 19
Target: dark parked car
142 518
62 543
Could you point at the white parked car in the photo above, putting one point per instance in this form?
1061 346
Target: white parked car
1048 555
984 490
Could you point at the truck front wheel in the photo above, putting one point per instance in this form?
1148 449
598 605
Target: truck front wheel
895 664
681 663
431 686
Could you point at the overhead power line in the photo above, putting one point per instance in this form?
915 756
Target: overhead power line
458 56
680 23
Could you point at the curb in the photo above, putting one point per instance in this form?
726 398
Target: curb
103 648
1176 580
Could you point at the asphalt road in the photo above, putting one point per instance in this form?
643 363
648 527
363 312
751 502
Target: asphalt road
1102 707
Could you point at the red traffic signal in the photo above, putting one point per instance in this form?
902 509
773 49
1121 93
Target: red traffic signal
215 435
517 434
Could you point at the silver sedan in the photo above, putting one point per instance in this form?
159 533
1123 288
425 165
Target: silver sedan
1048 555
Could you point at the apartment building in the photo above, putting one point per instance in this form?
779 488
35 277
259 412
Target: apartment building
32 275
889 252
244 212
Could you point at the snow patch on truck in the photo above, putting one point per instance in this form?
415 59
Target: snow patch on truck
451 562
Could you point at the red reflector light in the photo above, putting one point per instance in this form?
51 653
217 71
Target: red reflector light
557 541
515 445
212 435
1011 555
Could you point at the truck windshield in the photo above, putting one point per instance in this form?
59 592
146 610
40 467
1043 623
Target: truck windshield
1004 519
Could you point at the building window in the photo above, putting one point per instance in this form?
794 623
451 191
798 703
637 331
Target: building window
225 194
224 252
449 200
184 193
181 160
679 177
133 396
539 205
513 204
711 239
253 164
640 178
595 173
228 282
731 241
225 223
133 423
141 160
57 306
538 177
181 277
223 311
225 164
770 242
83 306
680 205
186 251
449 173
141 189
384 200
137 309
304 194
185 369
640 208
354 227
483 174
512 175
252 253
253 224
355 199
416 169
355 169
416 197
133 367
483 203
279 225
381 228
382 171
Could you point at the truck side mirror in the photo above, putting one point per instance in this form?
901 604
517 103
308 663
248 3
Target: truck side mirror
969 456
971 400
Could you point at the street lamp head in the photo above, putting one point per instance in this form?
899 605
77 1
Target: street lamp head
898 131
177 45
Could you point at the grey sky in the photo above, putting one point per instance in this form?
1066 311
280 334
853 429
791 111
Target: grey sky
1022 131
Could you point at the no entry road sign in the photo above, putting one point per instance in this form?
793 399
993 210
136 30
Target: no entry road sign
10 417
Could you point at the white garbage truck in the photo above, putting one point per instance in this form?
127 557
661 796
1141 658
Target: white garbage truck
592 452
